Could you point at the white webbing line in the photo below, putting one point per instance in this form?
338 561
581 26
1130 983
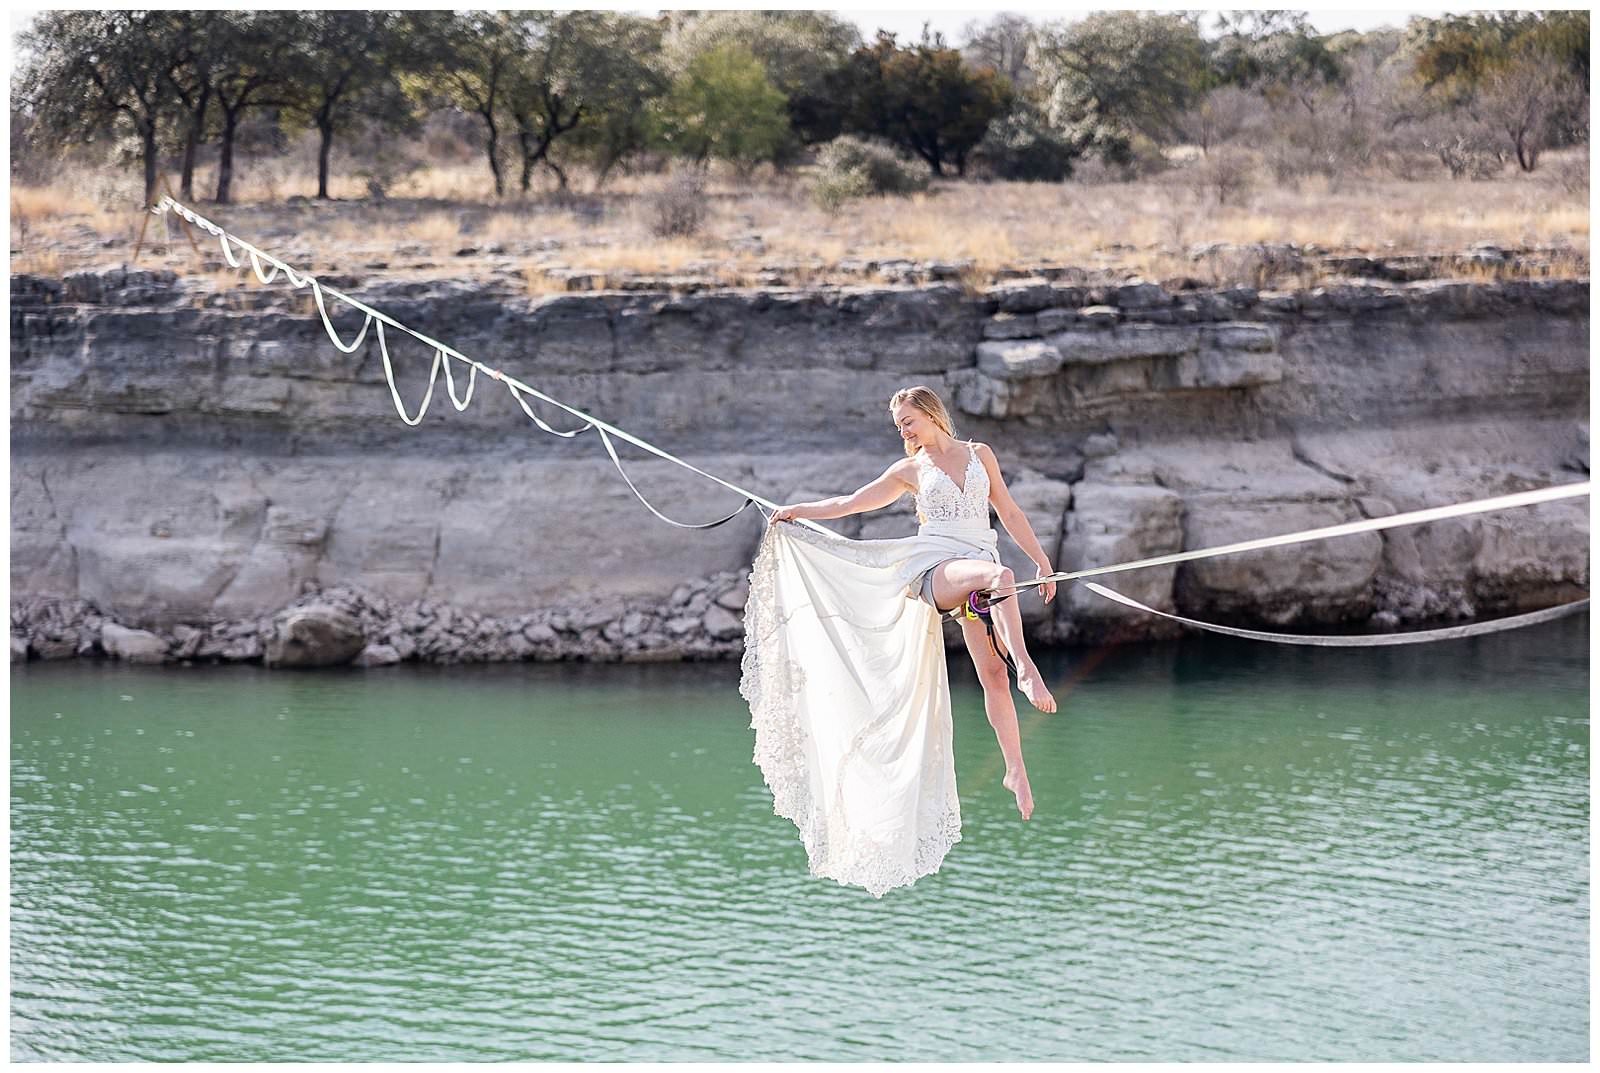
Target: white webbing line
1364 640
442 354
1366 525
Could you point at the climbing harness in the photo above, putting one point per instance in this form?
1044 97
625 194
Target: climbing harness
978 609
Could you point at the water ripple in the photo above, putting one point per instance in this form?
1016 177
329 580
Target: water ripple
1227 863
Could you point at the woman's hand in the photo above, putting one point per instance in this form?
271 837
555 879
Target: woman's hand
1048 589
782 514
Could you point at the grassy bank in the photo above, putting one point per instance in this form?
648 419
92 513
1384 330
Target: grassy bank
439 222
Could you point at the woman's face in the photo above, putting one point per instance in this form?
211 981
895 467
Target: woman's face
915 427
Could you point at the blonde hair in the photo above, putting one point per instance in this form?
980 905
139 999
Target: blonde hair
926 400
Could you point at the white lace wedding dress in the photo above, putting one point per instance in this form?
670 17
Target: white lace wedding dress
845 675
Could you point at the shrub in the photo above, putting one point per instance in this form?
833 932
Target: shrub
850 167
679 207
1571 171
1022 146
1225 175
833 188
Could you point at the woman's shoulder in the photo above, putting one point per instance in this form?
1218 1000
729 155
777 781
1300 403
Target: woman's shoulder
907 468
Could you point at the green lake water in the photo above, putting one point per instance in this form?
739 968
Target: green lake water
1239 852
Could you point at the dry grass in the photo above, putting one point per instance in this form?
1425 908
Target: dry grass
35 203
40 262
1144 227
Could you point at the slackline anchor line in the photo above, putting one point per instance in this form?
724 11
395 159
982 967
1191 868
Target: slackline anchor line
443 355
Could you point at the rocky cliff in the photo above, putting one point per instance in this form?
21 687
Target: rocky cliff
192 463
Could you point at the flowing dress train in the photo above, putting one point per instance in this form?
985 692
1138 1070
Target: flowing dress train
845 676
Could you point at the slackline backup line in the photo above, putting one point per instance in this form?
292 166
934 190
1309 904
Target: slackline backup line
443 355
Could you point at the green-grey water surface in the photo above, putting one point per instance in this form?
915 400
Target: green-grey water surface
1239 852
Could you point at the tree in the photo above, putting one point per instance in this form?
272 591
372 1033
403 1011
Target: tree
252 57
724 106
1218 117
192 83
550 91
471 58
924 99
1522 74
1002 45
347 65
1454 54
1114 74
98 75
624 83
1521 98
1023 146
802 53
1278 53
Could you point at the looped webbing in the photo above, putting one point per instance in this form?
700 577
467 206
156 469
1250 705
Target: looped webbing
450 381
612 451
394 392
316 291
443 355
255 264
515 394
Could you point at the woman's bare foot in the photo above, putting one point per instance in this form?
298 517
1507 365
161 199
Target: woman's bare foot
1017 783
1031 682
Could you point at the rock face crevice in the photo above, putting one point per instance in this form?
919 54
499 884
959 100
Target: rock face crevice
184 460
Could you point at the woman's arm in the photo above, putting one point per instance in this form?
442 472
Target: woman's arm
875 496
1012 517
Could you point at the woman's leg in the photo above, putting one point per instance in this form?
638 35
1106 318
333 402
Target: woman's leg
1007 618
956 579
996 682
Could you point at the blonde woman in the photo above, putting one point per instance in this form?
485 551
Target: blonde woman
844 656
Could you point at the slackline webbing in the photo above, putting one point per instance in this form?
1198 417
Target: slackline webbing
442 357
1366 525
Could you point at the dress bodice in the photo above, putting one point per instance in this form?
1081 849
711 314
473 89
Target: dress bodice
938 498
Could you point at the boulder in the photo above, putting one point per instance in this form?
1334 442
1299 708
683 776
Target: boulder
1124 343
722 624
19 649
378 656
735 598
135 646
539 633
316 635
1117 523
1324 581
1137 294
1017 359
1216 368
1023 296
53 648
1011 326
